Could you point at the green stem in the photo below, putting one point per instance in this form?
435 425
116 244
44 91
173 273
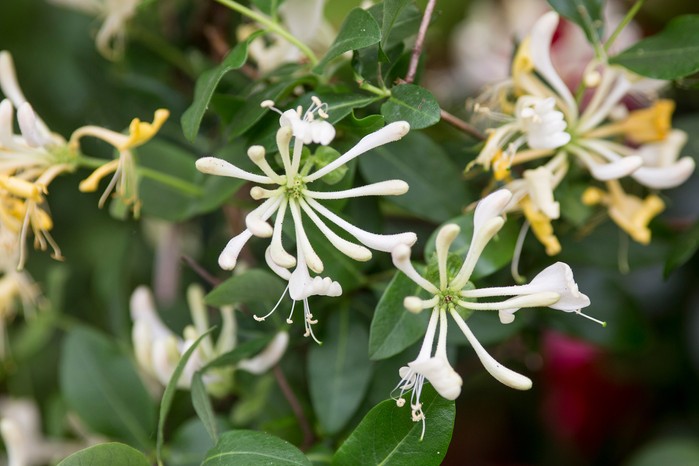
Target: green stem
272 26
382 92
624 22
177 183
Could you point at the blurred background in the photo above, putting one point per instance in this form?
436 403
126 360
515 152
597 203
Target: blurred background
627 394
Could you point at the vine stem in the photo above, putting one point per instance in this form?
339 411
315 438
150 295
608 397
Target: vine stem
201 271
308 437
419 42
461 125
624 22
273 26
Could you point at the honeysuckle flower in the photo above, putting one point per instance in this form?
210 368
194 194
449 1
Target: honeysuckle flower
25 444
124 179
304 20
158 350
111 37
291 191
548 122
453 295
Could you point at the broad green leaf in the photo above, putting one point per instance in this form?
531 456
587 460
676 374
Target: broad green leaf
202 405
411 103
364 126
325 155
190 442
588 14
393 328
391 11
670 451
101 385
251 286
399 20
497 254
388 436
683 248
107 454
253 448
169 393
672 53
359 30
206 85
437 191
339 371
242 351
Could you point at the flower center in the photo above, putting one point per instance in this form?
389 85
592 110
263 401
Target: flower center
448 299
294 189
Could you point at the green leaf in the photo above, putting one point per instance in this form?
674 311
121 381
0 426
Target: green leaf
424 165
242 351
338 105
391 12
190 442
364 126
588 14
249 287
497 254
101 385
411 103
393 328
683 248
253 448
388 436
107 454
202 405
169 393
206 85
323 156
679 451
672 53
359 30
339 371
268 7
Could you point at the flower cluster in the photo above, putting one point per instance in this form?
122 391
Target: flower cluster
546 121
158 350
454 295
291 191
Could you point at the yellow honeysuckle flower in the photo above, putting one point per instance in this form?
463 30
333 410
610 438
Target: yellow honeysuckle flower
541 227
630 212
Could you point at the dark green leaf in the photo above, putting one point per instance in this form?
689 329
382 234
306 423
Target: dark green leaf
497 254
202 405
169 393
391 11
107 454
393 328
101 385
251 286
413 104
388 436
588 14
253 448
364 126
683 248
673 53
339 371
359 30
423 164
206 85
240 352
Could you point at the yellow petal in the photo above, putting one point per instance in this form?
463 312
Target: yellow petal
541 227
91 183
21 188
522 62
141 132
650 124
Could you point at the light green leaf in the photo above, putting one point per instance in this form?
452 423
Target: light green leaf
169 393
202 405
670 451
424 165
323 156
107 454
359 30
339 371
206 85
672 53
254 285
497 254
101 385
588 14
253 448
388 436
393 328
411 103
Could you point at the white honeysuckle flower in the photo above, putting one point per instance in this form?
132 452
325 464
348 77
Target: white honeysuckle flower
554 287
111 37
25 444
158 350
291 191
548 122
